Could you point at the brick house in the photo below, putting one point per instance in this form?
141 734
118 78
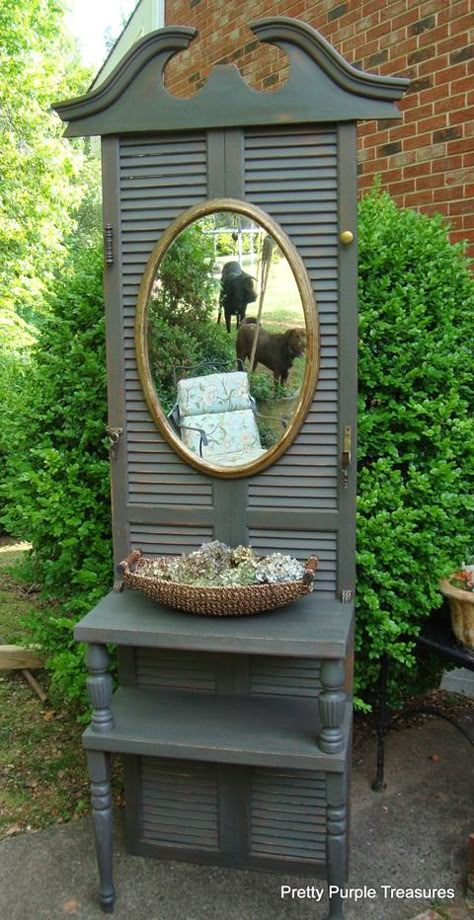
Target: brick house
426 160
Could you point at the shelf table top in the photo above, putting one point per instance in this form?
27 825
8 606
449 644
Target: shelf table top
309 627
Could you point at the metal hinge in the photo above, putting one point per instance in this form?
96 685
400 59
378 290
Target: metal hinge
109 244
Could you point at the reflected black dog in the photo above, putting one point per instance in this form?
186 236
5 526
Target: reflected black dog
237 290
276 350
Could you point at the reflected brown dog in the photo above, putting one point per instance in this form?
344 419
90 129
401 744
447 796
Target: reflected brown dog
276 350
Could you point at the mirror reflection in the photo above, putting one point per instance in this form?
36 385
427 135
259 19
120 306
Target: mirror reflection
226 338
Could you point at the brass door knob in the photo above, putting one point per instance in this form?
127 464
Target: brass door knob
346 237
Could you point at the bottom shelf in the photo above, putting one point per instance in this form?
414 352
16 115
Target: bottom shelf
227 729
222 814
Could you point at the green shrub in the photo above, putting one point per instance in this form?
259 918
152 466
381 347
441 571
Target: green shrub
57 489
181 324
197 344
186 289
415 512
16 339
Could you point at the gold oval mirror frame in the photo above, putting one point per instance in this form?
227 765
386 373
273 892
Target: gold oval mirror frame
239 212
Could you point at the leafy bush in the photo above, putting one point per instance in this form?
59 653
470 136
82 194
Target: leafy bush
57 484
204 343
186 289
416 435
16 339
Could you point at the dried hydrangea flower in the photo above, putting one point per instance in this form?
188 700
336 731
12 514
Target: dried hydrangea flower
278 568
243 554
215 564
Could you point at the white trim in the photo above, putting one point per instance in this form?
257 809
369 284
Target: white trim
147 16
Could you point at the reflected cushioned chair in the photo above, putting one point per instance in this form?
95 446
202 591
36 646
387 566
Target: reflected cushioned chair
215 417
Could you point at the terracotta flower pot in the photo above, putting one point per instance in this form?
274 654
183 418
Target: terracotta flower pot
461 606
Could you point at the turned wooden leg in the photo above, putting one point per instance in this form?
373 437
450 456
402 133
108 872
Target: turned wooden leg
331 706
101 796
99 686
336 843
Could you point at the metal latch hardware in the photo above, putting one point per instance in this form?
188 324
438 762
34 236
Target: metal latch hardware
346 456
113 435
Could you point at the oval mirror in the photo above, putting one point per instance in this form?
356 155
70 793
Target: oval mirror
227 338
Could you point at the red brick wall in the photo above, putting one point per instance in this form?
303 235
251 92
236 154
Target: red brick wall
426 160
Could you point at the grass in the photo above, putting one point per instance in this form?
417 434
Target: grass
43 775
282 303
282 307
43 779
15 602
441 910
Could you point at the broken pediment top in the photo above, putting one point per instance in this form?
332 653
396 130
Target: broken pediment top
282 29
321 86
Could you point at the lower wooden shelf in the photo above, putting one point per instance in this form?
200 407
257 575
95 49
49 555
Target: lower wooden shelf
222 729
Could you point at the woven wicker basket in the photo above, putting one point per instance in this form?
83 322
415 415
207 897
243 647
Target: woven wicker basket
221 601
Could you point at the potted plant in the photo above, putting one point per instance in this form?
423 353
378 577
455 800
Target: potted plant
459 590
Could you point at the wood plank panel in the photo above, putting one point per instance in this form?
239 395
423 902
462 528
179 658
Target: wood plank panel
159 178
293 175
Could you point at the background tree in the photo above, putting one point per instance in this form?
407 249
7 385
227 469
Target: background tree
40 170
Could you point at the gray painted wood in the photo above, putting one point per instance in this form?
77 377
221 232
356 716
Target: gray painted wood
99 687
218 729
159 177
336 841
303 163
348 339
102 818
284 677
257 165
169 540
173 669
219 672
287 815
117 415
179 804
232 789
228 759
308 628
321 86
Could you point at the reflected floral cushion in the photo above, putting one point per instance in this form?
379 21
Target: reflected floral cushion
213 393
225 431
235 457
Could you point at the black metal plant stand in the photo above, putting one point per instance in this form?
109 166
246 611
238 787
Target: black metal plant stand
437 638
